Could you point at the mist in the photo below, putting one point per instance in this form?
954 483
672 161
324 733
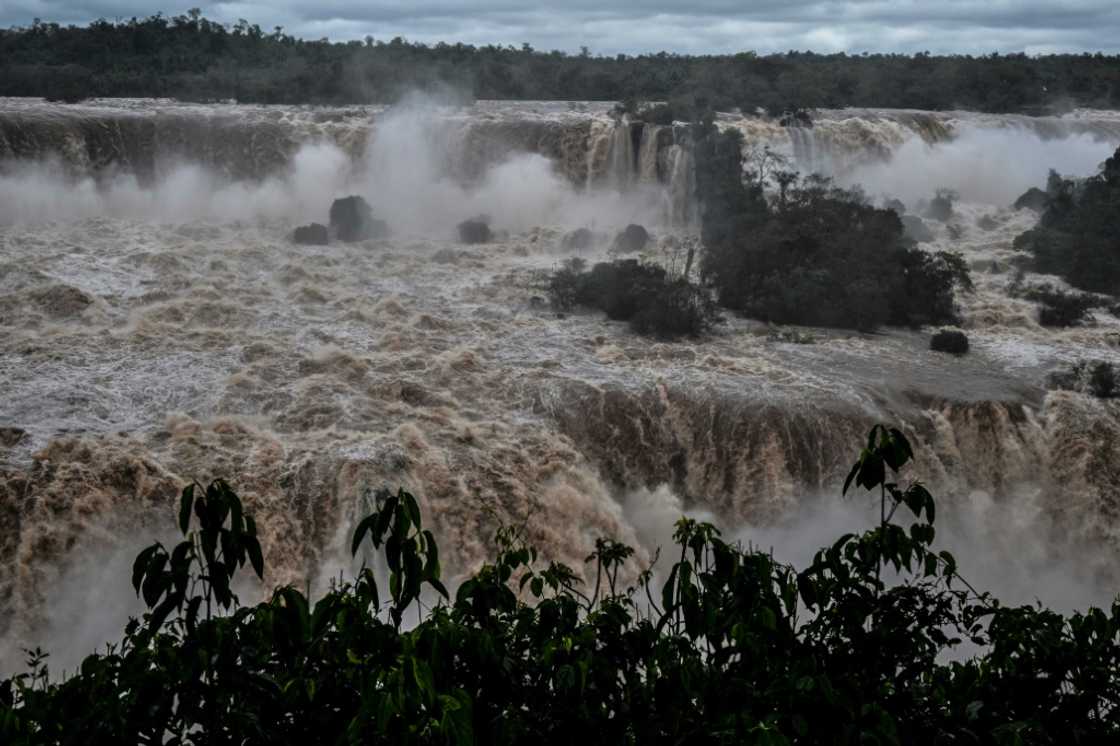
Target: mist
297 367
406 174
1001 547
982 164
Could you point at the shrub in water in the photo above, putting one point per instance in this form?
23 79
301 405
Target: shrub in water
1097 378
1059 307
643 294
949 340
315 234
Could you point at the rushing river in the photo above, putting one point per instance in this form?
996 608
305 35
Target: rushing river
157 324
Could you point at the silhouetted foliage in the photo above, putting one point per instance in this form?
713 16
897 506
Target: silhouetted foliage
1078 234
643 294
813 254
192 58
727 646
949 340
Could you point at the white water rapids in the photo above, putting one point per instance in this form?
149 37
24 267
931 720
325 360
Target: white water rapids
157 324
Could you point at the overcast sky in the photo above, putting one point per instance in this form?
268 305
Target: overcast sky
686 26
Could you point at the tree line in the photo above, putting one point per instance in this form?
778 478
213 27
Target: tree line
192 58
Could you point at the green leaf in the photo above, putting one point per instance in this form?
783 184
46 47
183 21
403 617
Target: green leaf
384 518
668 590
360 532
186 502
156 582
872 473
256 559
435 583
808 589
140 565
851 475
897 451
237 518
412 509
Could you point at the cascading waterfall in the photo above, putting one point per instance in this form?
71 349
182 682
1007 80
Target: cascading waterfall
598 148
589 148
680 204
648 153
804 150
152 334
620 157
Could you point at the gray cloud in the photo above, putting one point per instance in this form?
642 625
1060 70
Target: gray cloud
703 26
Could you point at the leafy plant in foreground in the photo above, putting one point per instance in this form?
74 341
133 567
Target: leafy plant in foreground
731 647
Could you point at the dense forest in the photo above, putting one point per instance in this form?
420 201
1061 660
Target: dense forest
811 253
1078 232
880 640
191 58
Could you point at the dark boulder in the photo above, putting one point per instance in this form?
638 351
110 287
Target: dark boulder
581 238
315 234
916 228
476 230
1032 199
353 220
633 238
949 340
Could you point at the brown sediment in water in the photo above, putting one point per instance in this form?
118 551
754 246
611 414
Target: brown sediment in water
309 377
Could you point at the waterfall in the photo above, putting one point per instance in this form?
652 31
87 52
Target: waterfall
148 139
804 149
599 140
679 202
648 152
620 158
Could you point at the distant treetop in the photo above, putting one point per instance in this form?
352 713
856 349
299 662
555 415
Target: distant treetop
191 58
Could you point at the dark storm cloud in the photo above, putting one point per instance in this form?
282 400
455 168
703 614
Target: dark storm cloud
612 26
